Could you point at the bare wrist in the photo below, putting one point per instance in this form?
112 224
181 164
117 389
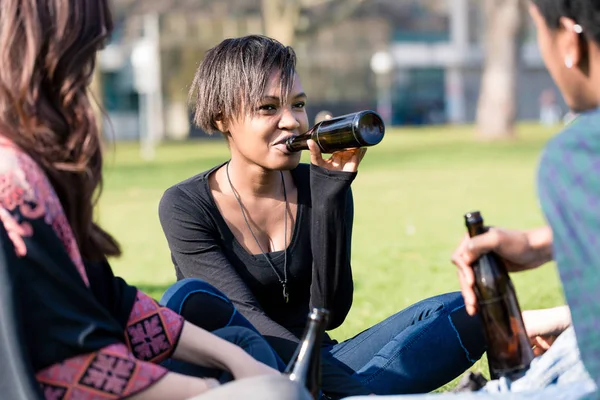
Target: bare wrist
234 358
540 242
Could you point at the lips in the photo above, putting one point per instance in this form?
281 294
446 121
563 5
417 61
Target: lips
282 140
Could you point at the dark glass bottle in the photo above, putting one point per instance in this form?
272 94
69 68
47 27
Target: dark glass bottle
509 350
360 129
305 366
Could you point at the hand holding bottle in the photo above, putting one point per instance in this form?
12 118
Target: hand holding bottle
509 348
344 160
520 250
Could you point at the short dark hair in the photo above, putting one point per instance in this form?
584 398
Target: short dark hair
584 12
233 76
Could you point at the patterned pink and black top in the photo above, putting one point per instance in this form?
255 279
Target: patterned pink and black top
88 334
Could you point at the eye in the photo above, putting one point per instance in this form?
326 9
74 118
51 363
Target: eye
300 104
267 107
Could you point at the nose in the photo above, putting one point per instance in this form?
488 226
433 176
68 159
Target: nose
288 120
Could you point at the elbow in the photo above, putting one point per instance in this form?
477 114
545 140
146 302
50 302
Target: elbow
338 314
335 323
336 320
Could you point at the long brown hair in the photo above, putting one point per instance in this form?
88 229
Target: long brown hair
47 59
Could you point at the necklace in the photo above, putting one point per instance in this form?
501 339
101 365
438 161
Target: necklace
283 281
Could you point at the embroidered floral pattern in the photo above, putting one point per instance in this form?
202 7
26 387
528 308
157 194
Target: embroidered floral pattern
116 371
26 195
152 330
111 373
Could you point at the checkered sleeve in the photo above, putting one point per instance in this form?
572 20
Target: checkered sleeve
569 190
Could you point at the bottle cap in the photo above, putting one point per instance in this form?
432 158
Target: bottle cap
473 217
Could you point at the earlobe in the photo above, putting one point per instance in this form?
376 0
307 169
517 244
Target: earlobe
569 42
221 126
569 62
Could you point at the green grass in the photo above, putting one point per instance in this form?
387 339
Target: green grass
410 195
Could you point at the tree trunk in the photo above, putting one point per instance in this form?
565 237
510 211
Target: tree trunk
280 19
496 111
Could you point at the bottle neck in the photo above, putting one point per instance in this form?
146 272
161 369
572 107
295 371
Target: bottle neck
306 355
300 142
476 228
311 338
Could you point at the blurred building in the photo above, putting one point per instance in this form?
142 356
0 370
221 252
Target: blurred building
435 49
438 70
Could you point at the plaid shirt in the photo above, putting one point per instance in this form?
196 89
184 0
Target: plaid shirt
569 192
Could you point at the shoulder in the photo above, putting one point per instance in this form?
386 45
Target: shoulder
301 174
26 195
569 169
302 169
24 188
13 161
581 137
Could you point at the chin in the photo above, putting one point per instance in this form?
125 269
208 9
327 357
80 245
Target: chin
581 108
286 163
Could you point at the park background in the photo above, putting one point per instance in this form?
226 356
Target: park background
461 85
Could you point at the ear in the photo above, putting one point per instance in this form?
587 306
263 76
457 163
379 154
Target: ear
221 124
569 43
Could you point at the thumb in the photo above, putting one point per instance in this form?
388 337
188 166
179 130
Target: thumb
481 244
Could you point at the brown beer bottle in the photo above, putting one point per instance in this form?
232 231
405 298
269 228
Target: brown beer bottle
305 366
360 129
509 350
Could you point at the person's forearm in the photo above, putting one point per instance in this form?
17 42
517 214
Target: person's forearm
546 322
540 241
200 347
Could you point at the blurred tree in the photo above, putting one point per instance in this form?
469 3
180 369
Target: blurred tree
95 89
285 20
496 111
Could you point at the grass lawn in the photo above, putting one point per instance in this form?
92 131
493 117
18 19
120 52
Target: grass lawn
410 195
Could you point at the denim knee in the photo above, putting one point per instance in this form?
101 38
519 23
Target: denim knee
451 300
177 294
251 342
201 304
469 329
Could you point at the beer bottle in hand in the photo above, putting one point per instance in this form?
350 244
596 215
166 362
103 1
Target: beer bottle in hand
509 350
359 129
305 366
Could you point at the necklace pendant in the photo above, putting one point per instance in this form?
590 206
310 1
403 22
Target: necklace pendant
286 296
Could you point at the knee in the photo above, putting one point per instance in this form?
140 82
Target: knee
251 342
239 335
439 306
454 306
469 329
199 303
452 301
178 293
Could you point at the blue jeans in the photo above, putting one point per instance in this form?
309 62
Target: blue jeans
250 341
558 374
414 351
